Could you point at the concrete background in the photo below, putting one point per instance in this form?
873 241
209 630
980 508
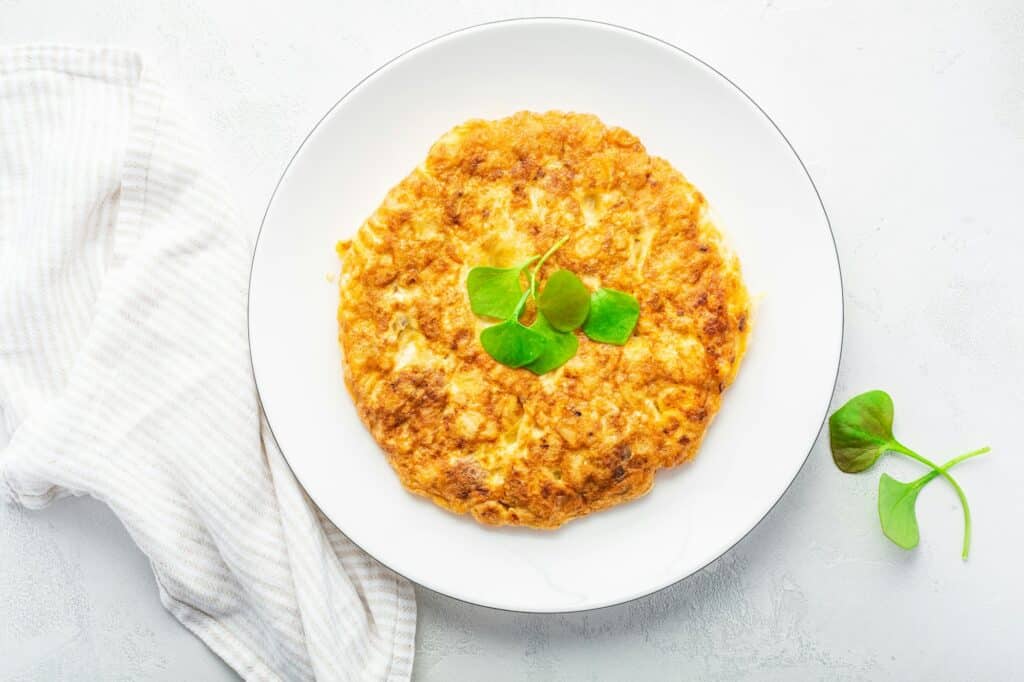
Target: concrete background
910 117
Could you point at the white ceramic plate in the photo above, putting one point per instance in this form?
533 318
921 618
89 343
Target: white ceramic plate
682 110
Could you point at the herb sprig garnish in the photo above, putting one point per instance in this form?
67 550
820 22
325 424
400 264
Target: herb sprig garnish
860 432
563 306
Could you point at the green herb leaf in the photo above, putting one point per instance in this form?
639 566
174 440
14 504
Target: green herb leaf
559 347
861 431
565 301
512 344
896 502
494 292
613 316
607 315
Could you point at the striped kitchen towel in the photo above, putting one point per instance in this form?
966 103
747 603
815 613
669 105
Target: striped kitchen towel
125 375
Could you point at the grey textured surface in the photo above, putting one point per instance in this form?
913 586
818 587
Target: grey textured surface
910 118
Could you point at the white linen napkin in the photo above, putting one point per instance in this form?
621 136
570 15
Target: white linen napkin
125 375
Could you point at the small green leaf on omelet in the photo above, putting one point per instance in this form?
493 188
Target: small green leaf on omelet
512 344
613 316
565 301
494 292
559 347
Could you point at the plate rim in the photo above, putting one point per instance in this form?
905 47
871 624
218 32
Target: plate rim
571 21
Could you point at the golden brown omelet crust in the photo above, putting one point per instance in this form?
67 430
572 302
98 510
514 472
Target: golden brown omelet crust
508 446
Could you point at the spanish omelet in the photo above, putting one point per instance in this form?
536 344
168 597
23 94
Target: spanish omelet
503 444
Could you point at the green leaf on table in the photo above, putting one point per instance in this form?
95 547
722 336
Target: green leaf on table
512 344
494 292
896 502
861 431
565 301
559 347
613 316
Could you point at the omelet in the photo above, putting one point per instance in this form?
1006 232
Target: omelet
503 444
